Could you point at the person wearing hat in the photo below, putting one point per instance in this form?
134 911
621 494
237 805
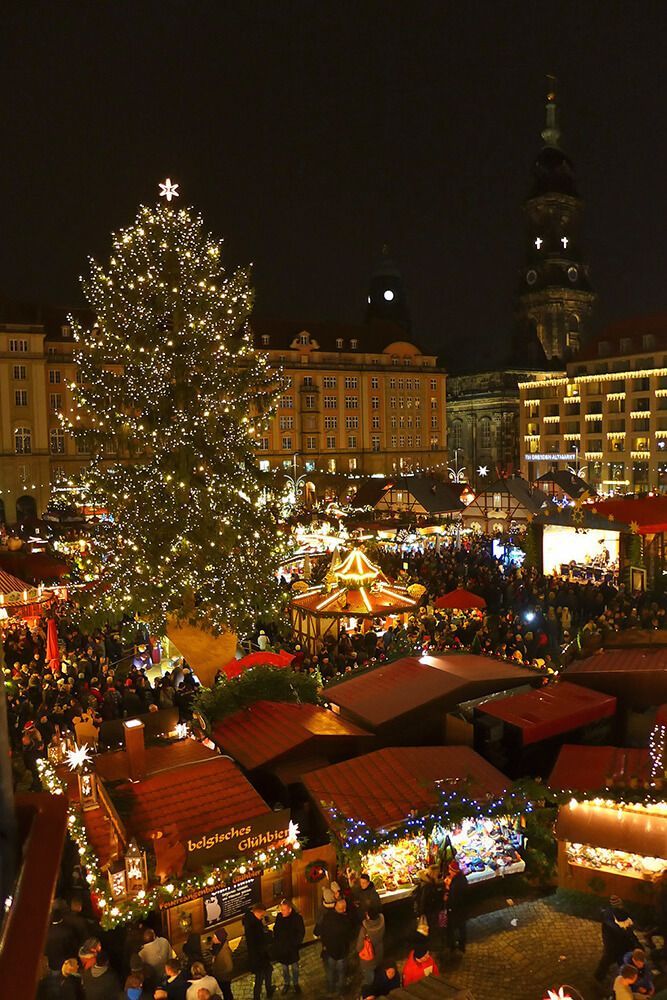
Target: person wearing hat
618 936
419 964
263 641
456 905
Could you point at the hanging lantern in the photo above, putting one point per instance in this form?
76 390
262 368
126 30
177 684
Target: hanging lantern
185 921
117 880
87 787
135 868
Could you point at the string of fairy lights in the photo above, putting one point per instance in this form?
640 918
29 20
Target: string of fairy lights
169 377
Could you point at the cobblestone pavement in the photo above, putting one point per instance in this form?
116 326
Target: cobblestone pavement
546 948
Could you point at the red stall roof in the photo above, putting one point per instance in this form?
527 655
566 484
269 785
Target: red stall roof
589 769
549 711
648 513
381 788
405 685
630 660
269 730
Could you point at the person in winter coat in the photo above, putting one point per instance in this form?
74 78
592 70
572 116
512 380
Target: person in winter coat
288 934
637 960
221 961
456 905
71 987
100 982
200 979
618 936
336 932
258 940
134 989
364 894
385 980
155 952
192 952
372 928
429 899
175 983
61 942
419 964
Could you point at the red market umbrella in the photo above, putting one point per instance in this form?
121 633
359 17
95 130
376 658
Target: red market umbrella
52 650
460 599
236 667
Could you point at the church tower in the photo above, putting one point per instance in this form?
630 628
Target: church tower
386 294
555 296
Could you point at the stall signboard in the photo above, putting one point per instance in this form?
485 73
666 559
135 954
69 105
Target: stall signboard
231 900
263 832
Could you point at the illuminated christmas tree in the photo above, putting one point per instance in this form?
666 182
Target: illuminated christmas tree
171 398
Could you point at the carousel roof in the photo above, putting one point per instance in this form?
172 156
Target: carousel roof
10 584
360 589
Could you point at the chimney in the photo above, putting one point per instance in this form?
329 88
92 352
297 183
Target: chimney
135 748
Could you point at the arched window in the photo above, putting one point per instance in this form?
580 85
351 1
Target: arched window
485 433
457 434
22 441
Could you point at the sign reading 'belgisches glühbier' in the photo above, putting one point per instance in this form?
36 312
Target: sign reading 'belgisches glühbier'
244 837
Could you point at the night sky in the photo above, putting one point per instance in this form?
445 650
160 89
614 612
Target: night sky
310 133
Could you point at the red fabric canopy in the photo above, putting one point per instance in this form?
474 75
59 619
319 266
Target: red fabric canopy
236 667
460 599
52 650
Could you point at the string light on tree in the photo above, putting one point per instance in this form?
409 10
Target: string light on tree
169 190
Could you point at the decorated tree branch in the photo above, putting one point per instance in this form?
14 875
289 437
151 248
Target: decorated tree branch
171 400
260 683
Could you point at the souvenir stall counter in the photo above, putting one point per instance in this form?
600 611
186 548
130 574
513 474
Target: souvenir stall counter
391 814
608 847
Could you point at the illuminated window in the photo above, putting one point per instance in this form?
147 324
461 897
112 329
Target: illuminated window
22 441
375 442
56 441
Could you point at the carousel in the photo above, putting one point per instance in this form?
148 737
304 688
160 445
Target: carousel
355 594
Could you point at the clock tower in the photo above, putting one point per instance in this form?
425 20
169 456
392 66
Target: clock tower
555 298
386 295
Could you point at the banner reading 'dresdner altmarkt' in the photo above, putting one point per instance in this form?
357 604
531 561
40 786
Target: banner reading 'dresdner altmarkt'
247 836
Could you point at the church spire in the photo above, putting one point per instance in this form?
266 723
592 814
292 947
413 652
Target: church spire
551 133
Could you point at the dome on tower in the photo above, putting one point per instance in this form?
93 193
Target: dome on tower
553 173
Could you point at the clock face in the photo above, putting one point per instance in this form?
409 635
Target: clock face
388 295
572 274
531 277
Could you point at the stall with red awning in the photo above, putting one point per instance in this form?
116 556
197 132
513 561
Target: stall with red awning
460 600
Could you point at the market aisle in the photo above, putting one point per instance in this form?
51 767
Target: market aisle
547 947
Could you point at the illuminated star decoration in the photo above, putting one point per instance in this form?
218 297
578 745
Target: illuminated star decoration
634 527
560 995
79 757
483 471
169 190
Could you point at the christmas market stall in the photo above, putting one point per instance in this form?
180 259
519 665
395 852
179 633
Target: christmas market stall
522 733
612 833
174 828
407 700
637 677
19 599
397 811
355 594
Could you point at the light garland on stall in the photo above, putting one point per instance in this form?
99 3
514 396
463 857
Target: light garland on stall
116 912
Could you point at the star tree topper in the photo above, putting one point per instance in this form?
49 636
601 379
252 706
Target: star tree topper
169 190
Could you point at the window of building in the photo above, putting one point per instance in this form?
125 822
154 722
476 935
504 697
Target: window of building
401 383
418 421
20 373
457 434
354 344
352 441
392 383
339 343
266 339
485 433
434 403
330 423
79 377
303 338
393 440
434 384
311 443
55 402
286 423
308 381
375 442
263 444
54 376
418 441
329 381
434 441
351 382
331 440
287 443
352 464
57 473
21 397
417 402
409 440
375 423
264 465
434 423
18 346
401 402
282 358
352 423
395 360
310 402
56 441
82 446
286 402
351 402
23 441
393 422
401 441
330 402
375 382
407 361
375 402
401 421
